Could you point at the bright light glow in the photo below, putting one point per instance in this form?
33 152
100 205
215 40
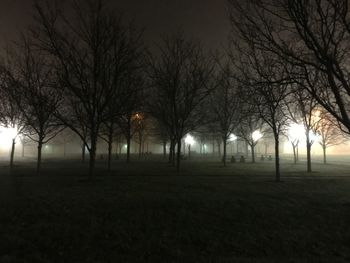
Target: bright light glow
125 146
296 132
189 139
6 136
205 146
232 137
314 137
256 135
46 146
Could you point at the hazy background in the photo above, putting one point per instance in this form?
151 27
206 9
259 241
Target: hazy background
206 20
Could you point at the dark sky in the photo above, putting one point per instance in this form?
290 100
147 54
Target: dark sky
205 19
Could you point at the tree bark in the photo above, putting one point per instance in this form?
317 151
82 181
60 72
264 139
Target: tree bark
12 157
219 148
277 158
213 148
178 155
294 153
83 152
324 154
224 140
253 152
140 147
308 152
92 159
128 144
38 163
171 151
110 148
297 152
164 149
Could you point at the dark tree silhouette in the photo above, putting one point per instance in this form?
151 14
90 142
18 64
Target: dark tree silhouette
312 37
329 134
180 79
302 109
225 106
95 53
11 116
265 85
32 78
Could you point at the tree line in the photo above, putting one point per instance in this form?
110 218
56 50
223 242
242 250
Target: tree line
85 69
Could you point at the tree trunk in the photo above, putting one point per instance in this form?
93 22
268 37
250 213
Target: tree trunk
83 152
297 152
253 152
110 148
38 163
22 149
324 154
178 155
172 152
224 140
128 144
164 149
92 157
173 155
12 156
277 157
294 153
213 148
219 148
140 147
189 151
246 149
308 152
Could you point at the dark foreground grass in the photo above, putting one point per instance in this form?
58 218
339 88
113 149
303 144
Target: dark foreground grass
143 213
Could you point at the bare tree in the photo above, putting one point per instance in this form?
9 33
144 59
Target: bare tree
32 79
225 105
250 125
312 36
11 116
180 80
329 134
95 53
265 86
302 109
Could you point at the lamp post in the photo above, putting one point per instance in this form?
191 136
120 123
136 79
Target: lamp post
189 140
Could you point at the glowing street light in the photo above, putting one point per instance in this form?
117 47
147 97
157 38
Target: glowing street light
232 137
7 135
296 132
314 137
189 140
256 135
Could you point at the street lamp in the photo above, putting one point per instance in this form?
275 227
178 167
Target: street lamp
189 140
7 135
256 135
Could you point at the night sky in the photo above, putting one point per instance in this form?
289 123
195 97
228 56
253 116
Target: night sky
204 19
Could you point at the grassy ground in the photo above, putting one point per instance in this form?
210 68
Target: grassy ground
145 212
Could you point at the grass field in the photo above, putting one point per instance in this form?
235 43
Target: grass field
146 212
